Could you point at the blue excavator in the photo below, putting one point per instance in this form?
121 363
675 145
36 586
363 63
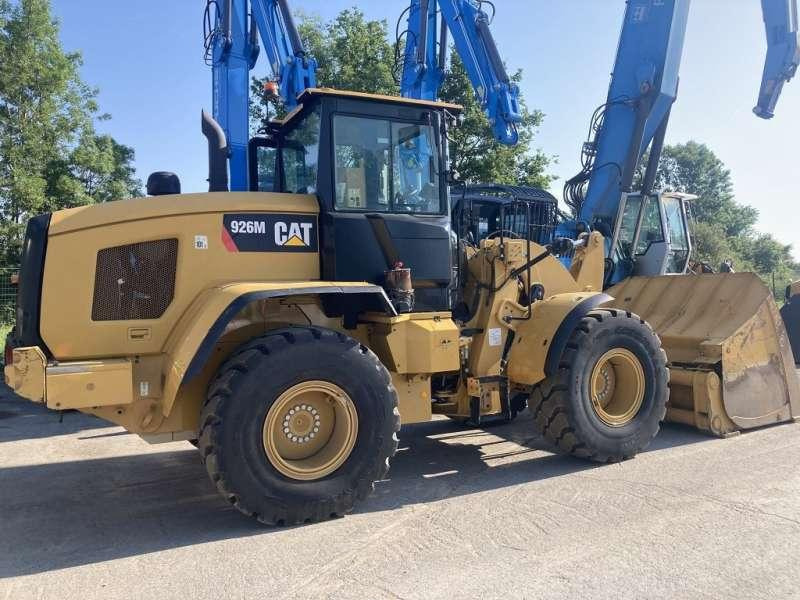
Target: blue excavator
645 234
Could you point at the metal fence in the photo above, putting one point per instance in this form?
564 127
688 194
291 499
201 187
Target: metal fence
8 294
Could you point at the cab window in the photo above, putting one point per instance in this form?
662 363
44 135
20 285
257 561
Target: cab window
652 231
267 169
630 219
678 236
300 153
385 166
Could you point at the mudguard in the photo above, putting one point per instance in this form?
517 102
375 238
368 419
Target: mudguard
192 342
541 340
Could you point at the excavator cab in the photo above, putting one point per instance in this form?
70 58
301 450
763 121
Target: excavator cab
652 235
520 212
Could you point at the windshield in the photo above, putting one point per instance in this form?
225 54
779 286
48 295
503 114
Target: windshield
386 166
630 219
651 232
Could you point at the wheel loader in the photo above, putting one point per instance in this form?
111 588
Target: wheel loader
290 331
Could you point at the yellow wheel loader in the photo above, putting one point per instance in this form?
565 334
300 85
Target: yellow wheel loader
291 332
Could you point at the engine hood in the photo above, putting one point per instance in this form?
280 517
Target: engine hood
138 209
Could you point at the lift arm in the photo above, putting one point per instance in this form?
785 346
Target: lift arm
429 22
232 49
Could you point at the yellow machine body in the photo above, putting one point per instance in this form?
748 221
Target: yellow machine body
728 351
730 359
151 376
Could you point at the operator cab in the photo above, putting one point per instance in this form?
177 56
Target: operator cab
652 235
378 166
493 210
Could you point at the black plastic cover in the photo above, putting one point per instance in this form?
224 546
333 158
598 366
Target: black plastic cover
163 183
791 319
29 290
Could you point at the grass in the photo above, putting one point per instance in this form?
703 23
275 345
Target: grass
4 329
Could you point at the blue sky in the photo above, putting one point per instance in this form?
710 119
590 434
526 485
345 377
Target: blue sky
148 65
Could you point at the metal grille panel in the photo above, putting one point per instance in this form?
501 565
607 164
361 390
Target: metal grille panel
134 282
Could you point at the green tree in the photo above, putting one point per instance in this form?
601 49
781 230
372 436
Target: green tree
477 156
352 54
693 168
356 54
50 154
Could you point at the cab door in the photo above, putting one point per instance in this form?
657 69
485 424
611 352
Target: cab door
388 203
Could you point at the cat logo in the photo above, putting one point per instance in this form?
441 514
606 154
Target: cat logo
270 232
293 235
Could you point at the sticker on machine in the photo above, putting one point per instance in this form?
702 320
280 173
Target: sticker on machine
270 233
495 337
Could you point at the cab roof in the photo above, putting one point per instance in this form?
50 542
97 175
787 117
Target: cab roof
312 93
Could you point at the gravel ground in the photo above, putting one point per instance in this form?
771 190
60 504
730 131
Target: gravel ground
88 511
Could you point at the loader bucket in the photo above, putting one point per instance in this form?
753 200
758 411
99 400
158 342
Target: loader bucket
730 360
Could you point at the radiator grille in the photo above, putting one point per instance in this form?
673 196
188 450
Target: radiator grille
136 281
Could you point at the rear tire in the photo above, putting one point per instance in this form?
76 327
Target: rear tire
609 396
265 474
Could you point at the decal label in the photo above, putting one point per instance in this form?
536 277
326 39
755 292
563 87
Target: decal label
270 233
201 242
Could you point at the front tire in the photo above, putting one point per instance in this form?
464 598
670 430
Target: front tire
298 425
609 396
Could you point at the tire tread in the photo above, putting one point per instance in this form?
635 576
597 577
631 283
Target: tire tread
551 402
224 387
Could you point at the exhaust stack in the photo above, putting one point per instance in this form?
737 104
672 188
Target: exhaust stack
217 154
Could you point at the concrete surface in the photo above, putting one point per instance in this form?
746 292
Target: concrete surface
87 511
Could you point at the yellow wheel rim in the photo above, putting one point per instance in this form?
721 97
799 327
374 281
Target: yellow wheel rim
310 430
617 387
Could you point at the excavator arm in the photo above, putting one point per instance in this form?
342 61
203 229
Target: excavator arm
426 41
783 53
232 29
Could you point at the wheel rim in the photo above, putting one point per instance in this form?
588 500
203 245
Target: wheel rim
617 387
310 430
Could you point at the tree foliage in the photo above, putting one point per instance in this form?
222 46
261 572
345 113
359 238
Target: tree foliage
477 156
356 54
694 168
50 154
